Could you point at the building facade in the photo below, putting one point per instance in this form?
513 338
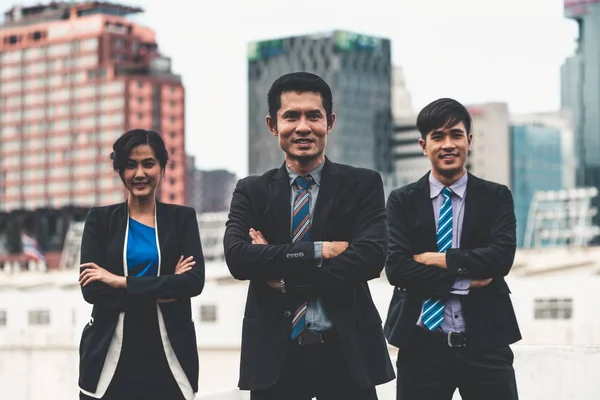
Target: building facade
580 84
73 78
536 165
358 69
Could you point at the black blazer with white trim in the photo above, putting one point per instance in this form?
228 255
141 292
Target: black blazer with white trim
104 243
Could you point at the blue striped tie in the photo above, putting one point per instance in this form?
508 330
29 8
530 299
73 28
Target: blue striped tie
301 233
433 308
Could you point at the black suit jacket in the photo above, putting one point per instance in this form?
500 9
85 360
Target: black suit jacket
102 243
487 250
350 207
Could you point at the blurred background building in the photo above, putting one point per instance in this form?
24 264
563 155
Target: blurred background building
580 84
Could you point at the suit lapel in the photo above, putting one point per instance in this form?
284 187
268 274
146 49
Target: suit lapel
161 222
280 203
471 208
328 190
424 207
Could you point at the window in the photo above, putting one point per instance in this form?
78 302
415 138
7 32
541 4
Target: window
172 134
553 308
172 197
2 317
172 181
140 100
39 317
208 313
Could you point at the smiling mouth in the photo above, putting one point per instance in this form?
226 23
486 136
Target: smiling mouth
448 156
303 141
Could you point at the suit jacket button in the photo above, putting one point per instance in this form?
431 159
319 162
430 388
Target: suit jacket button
287 314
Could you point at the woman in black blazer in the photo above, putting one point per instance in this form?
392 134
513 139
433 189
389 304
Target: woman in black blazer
141 262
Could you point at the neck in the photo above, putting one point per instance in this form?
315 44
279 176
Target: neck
449 180
141 205
304 166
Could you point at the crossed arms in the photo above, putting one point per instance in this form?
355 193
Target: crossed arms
107 289
434 274
362 260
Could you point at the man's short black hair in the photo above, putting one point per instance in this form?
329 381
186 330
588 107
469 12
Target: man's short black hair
443 113
299 82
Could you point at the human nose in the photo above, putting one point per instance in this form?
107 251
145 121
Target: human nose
303 126
448 143
139 172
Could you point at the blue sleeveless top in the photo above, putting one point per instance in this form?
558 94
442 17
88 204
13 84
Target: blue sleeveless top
142 251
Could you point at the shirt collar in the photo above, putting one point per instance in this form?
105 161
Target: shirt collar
315 173
458 188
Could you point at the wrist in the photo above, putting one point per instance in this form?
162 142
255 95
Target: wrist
121 282
282 282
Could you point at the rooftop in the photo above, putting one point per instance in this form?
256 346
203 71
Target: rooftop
57 11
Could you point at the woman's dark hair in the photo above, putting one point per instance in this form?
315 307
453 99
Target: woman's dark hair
299 82
129 140
442 113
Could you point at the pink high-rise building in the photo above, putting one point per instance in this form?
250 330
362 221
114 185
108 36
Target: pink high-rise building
73 78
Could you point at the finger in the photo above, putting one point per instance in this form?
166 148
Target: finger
190 258
189 265
85 274
89 279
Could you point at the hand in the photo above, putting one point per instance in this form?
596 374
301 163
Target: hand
274 284
333 249
92 272
184 266
479 283
257 237
431 259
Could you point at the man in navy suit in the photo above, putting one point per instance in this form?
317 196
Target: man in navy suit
452 242
308 236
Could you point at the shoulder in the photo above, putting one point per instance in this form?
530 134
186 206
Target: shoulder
357 174
103 211
178 211
257 180
402 192
493 188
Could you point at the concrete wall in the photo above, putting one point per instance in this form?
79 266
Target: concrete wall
543 372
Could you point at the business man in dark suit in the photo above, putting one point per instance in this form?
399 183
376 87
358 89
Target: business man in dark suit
308 236
452 242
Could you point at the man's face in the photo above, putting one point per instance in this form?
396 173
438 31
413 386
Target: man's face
301 126
447 149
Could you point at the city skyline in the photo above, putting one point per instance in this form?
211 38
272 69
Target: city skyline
459 50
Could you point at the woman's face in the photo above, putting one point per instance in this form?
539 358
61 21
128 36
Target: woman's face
142 171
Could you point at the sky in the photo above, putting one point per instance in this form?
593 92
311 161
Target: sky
507 50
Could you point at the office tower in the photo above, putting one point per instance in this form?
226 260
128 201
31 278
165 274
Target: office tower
73 77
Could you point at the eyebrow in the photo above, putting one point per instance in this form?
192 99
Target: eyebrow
441 132
144 160
293 112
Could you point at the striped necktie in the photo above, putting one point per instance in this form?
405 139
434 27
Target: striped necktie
433 308
301 233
